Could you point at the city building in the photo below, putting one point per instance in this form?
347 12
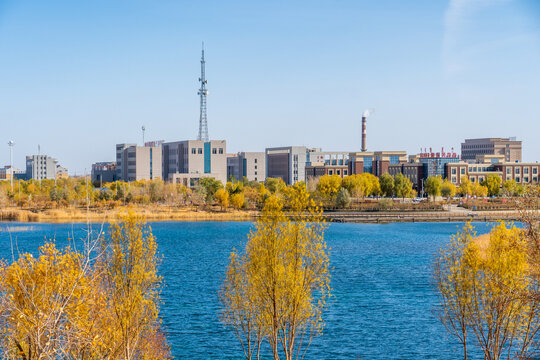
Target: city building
288 163
61 172
40 167
376 163
103 172
414 171
510 148
187 161
435 162
251 165
485 165
138 162
6 172
327 163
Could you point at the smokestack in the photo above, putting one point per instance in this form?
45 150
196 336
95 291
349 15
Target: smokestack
364 129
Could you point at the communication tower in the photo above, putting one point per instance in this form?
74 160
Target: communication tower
203 123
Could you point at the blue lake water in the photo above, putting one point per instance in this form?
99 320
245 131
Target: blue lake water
383 295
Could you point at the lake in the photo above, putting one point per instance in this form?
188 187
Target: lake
383 300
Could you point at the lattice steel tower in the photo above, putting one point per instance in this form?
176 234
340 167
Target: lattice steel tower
203 122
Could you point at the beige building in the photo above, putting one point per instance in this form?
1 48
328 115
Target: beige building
187 161
251 165
485 165
7 172
138 162
327 163
510 148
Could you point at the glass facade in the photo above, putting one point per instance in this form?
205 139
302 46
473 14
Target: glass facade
207 161
368 165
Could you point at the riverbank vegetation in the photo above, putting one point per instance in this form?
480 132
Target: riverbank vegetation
274 290
101 302
488 287
50 200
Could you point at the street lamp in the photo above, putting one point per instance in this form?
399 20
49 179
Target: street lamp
11 144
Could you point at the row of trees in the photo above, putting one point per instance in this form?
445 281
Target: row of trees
99 303
329 189
333 187
489 287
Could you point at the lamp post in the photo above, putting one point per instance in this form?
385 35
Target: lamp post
11 144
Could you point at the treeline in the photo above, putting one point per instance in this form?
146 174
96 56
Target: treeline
330 190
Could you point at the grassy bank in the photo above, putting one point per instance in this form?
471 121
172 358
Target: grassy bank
151 213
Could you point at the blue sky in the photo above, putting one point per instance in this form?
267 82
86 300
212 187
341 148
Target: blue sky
77 77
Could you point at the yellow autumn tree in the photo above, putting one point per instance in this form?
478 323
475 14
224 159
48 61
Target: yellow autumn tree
277 289
484 285
130 282
237 200
222 197
101 303
329 185
48 306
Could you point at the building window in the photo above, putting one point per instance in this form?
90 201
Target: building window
454 180
193 150
214 151
255 173
508 170
255 160
462 171
200 151
535 171
329 172
221 150
517 170
454 171
518 179
525 179
526 171
338 172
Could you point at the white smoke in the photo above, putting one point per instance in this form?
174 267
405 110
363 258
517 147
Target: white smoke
367 113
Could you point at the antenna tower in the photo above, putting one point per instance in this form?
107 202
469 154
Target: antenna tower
203 123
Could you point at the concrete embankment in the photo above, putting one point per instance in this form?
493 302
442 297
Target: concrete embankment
439 216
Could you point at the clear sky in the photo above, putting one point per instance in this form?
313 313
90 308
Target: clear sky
78 77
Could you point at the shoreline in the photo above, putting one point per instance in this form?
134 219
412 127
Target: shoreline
163 214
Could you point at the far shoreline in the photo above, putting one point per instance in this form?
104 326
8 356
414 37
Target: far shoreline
160 214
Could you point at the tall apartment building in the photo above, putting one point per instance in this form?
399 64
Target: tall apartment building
509 147
187 161
251 165
40 167
138 162
288 163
